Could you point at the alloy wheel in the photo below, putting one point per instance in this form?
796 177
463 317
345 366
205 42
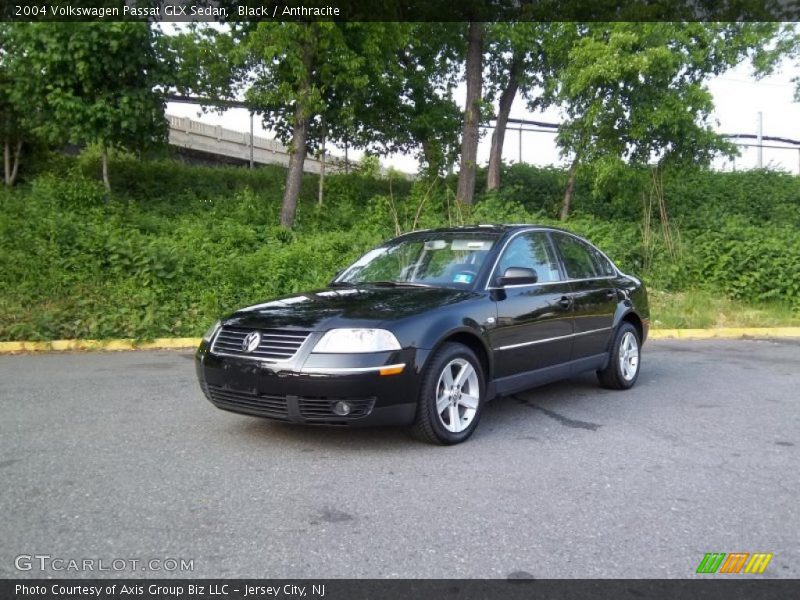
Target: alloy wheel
457 395
628 356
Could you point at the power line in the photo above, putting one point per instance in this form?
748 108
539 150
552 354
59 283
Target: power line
745 136
768 138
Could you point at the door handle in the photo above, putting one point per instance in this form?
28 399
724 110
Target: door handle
565 302
611 294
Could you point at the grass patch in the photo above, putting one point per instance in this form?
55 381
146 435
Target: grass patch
705 309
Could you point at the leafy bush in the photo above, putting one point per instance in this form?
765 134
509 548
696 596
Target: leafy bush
115 270
749 262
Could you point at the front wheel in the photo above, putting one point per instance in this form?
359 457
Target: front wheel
451 397
622 370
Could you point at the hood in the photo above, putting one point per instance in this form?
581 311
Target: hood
366 306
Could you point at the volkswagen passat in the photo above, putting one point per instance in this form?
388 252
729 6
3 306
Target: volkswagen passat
426 328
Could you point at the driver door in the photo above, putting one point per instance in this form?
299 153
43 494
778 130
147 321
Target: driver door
534 321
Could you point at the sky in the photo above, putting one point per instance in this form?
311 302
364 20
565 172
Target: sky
738 99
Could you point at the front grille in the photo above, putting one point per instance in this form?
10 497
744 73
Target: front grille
275 344
262 405
322 408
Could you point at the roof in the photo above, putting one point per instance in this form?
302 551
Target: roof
497 228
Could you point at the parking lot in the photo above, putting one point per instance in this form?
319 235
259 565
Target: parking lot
119 456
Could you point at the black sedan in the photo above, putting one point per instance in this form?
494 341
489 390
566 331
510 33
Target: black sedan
426 328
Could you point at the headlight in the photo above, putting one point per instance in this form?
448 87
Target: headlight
348 341
212 331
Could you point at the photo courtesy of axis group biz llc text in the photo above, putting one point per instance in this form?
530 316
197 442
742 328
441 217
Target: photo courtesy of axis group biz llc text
171 589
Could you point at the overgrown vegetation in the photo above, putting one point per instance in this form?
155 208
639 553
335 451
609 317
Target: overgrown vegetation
177 245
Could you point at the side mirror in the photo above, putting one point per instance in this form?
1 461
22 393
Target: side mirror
518 276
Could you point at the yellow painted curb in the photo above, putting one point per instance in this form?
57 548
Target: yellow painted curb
113 345
183 343
724 333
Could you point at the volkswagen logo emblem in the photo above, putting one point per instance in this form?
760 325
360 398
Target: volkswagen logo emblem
251 341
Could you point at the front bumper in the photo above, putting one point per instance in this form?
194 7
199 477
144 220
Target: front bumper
306 389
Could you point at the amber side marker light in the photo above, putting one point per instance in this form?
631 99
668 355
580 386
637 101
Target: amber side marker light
393 370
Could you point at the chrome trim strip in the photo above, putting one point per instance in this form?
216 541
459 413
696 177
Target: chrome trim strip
275 335
270 361
552 339
263 344
522 285
510 347
580 333
340 370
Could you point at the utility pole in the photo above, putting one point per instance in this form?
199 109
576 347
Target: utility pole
760 135
321 157
251 139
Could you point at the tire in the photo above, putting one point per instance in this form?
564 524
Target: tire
624 361
443 418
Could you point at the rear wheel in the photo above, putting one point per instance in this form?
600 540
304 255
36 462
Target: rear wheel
622 370
451 398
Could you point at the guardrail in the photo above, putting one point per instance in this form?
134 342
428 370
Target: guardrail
217 140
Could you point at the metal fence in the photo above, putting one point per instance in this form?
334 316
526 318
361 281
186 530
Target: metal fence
756 141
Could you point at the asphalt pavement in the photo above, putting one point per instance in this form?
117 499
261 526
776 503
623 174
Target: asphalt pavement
118 456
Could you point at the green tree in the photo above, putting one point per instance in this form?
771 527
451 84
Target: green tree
13 132
522 58
92 83
411 107
310 81
473 73
785 47
636 92
201 61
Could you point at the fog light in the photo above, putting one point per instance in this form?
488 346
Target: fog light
341 408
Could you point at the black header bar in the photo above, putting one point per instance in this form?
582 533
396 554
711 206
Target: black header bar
710 588
226 11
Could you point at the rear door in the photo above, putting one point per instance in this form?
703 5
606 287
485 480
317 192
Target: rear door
534 321
592 278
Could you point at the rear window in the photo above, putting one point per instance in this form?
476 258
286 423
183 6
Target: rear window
579 259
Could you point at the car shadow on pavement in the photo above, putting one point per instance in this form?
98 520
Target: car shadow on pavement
310 437
572 403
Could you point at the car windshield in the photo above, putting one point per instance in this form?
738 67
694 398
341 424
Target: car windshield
439 259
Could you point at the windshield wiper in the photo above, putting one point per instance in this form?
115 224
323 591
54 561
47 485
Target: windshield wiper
334 284
390 283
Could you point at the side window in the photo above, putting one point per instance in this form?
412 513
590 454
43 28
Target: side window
532 251
604 267
577 257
